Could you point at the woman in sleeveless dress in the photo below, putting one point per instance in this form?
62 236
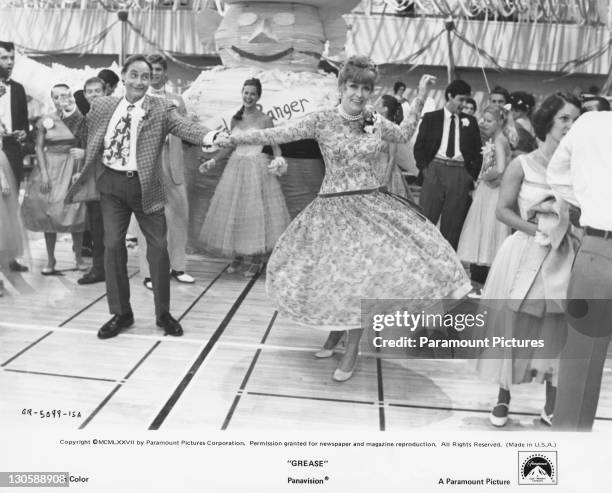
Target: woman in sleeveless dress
247 213
482 232
529 278
58 156
354 241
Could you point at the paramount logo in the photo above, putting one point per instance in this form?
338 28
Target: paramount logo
537 467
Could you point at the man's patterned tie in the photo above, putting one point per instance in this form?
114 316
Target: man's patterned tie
119 147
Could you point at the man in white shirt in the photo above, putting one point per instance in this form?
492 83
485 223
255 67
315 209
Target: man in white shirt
172 163
124 139
448 152
580 172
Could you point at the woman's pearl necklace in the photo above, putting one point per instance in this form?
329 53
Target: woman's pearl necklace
346 116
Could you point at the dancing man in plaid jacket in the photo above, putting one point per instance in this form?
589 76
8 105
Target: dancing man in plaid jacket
122 164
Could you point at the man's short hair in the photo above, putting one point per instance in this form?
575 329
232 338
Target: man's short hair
61 85
602 103
135 59
109 77
158 58
397 86
7 45
94 80
457 87
501 90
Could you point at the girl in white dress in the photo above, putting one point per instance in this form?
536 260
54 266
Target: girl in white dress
529 278
248 212
482 232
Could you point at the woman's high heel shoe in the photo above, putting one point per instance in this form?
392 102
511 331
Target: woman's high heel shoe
328 352
341 375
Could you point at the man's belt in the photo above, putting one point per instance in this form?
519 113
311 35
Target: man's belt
450 162
127 173
600 233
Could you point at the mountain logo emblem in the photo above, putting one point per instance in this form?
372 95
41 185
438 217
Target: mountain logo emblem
537 467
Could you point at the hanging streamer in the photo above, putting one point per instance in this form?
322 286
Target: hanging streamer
166 53
89 43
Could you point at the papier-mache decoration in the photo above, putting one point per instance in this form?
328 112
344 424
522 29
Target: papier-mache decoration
281 43
287 96
289 35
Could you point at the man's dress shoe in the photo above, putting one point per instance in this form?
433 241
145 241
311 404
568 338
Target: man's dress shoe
90 278
115 325
17 267
170 325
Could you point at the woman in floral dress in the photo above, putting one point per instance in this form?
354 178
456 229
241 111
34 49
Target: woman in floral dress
354 241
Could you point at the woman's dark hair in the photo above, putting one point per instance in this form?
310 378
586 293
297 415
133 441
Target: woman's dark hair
394 109
522 101
544 116
109 77
256 83
471 101
397 86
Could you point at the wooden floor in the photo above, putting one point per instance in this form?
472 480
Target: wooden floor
238 366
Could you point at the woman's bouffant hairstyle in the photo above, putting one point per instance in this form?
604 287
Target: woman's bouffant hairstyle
256 83
394 109
522 101
544 116
500 114
358 69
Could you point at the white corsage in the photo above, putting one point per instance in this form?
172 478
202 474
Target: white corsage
541 238
465 122
278 166
371 121
48 123
488 156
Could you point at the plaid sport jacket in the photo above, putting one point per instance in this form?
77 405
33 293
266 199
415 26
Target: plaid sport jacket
161 117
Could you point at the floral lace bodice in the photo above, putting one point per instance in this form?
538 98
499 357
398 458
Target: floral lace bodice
350 154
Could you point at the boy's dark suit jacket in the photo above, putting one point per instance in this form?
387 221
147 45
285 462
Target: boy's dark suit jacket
429 139
19 116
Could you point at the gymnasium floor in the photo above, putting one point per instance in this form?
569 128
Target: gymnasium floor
238 366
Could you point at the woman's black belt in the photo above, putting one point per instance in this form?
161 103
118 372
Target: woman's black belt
413 205
365 191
